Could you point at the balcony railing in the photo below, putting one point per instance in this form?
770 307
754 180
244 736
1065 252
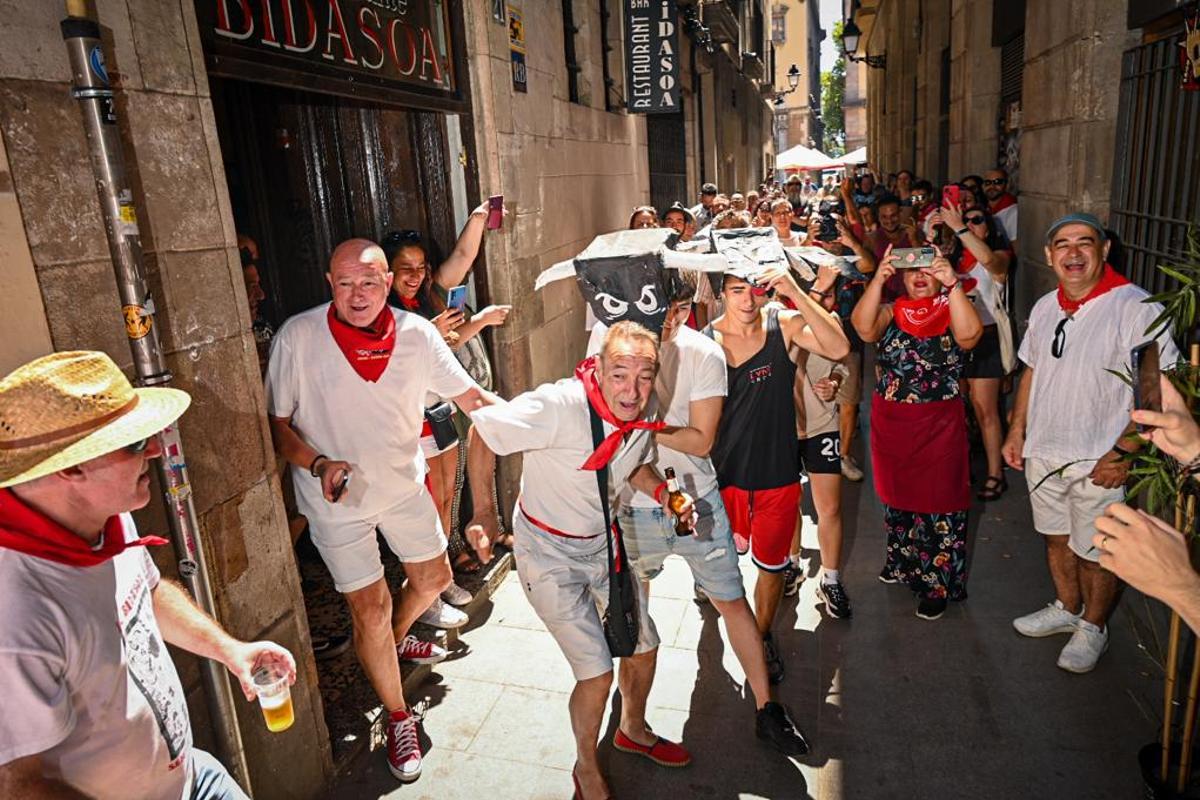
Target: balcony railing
723 18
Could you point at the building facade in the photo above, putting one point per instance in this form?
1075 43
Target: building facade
854 109
300 130
1079 101
797 36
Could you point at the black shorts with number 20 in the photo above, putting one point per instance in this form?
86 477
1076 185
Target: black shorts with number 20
821 454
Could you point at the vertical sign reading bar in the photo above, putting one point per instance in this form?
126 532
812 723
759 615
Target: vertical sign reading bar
651 57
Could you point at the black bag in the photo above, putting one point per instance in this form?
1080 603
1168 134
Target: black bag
441 423
621 622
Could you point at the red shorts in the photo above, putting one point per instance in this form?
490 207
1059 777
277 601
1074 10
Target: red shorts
767 517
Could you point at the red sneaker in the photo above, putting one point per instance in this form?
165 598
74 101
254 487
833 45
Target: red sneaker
403 748
413 649
662 752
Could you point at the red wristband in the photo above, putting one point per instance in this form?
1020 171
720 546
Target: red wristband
658 490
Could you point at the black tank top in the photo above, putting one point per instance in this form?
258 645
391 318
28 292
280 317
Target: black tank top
756 439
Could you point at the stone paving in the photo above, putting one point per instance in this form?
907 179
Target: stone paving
896 707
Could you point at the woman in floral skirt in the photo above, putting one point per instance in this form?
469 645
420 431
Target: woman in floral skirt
918 425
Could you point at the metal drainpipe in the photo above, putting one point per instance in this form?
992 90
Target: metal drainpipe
699 101
90 86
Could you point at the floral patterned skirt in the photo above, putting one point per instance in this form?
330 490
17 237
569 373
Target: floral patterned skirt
928 552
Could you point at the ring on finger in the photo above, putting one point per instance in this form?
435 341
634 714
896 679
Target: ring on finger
1104 542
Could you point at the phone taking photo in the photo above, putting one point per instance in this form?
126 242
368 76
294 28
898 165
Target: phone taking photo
951 196
495 217
914 257
457 297
1147 390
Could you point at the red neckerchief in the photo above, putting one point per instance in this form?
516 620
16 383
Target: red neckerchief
367 349
586 373
923 318
27 531
1002 202
410 303
1110 280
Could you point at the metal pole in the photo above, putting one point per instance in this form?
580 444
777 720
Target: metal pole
90 86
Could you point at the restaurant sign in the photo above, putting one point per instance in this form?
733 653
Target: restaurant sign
400 43
651 57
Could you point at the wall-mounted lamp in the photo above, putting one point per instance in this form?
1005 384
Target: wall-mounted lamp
793 78
850 36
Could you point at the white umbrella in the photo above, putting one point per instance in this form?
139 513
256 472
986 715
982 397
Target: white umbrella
801 157
858 156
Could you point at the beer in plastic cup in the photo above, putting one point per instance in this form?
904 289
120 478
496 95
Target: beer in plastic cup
275 698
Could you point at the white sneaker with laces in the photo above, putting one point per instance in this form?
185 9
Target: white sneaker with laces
403 749
441 615
1084 648
456 595
1052 619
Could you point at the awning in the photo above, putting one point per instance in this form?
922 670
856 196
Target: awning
858 156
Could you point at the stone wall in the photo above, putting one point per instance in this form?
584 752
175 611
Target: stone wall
174 162
974 88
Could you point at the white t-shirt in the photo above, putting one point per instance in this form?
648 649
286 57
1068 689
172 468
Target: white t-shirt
86 679
691 367
374 426
983 296
1077 409
1007 217
552 427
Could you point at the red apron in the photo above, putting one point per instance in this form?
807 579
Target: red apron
919 455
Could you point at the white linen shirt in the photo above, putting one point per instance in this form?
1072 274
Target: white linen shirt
552 427
374 426
691 367
1076 408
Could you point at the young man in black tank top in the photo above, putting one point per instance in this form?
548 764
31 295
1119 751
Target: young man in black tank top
755 452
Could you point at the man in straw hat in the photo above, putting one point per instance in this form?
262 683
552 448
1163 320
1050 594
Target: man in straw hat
93 706
346 393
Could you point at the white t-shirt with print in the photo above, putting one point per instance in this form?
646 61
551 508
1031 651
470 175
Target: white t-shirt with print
1077 408
374 426
691 367
87 682
552 427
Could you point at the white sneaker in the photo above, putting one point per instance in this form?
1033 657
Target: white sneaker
456 595
440 615
1084 649
1050 620
850 470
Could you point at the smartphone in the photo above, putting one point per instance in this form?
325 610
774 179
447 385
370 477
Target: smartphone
340 488
951 195
457 297
1147 391
914 257
495 216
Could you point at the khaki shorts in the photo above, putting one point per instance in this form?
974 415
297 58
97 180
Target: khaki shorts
566 581
850 392
1068 504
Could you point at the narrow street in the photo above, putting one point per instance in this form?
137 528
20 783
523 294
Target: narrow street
896 707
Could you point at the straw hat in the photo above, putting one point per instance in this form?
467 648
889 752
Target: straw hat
63 409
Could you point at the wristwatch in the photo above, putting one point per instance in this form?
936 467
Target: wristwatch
962 230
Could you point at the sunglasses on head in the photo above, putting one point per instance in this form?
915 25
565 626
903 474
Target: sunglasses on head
995 181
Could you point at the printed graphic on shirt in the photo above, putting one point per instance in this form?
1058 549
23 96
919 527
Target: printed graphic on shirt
151 670
759 374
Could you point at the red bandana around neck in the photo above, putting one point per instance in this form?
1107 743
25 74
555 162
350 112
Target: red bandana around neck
410 303
367 349
586 373
1002 202
1110 280
27 531
924 317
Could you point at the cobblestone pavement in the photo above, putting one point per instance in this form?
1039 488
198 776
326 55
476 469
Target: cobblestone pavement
897 707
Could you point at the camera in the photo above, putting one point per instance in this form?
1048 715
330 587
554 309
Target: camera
825 213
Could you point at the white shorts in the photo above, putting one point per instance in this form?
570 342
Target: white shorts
1068 504
351 552
566 581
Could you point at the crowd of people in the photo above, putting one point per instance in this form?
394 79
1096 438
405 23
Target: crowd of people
690 431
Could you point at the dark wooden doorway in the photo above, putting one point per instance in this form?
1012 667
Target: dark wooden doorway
307 171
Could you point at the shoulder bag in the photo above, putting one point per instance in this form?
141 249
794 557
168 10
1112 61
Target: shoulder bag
620 618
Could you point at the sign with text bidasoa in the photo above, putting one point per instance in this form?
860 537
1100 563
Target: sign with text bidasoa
651 57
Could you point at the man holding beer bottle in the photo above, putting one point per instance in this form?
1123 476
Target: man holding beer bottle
690 388
93 706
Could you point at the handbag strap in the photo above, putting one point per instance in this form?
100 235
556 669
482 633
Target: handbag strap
614 565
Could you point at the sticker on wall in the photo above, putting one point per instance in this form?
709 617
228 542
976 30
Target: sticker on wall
1189 53
137 321
516 47
96 62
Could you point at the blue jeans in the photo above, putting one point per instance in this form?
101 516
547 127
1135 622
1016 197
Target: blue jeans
211 780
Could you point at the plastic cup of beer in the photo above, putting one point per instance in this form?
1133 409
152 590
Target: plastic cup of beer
275 698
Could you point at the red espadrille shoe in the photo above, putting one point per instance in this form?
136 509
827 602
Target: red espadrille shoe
662 752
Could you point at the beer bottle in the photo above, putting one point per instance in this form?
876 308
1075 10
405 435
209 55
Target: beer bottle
676 500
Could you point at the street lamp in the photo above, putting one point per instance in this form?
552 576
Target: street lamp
850 36
793 79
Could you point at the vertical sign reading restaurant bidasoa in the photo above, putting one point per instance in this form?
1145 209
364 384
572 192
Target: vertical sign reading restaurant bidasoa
651 57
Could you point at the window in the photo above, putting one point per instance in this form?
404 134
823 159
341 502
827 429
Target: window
569 32
779 24
613 99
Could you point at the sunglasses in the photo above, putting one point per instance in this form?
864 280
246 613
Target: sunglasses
402 237
1060 338
137 447
919 198
977 219
995 181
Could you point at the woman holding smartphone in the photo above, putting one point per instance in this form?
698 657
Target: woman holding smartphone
919 427
424 289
